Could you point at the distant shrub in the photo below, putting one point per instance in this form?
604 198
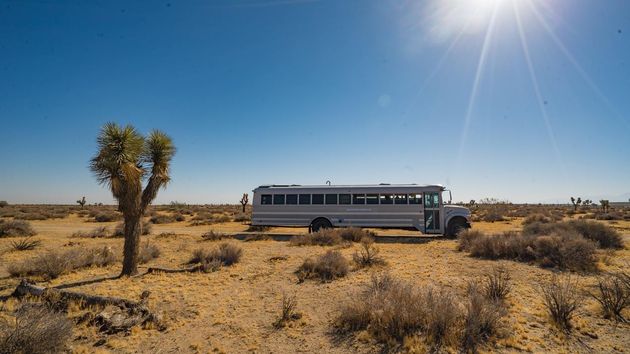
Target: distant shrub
242 217
15 228
162 219
35 329
119 230
99 232
493 216
106 216
3 203
148 251
354 234
323 237
562 299
55 263
368 254
327 267
179 217
25 244
605 236
31 216
539 218
213 236
258 228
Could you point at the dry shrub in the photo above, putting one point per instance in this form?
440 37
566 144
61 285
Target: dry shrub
16 228
562 299
213 236
52 264
98 232
225 254
106 216
287 311
119 231
605 236
179 217
482 319
241 217
539 218
354 234
162 219
567 250
467 237
497 285
613 294
323 237
148 251
327 267
493 216
25 244
368 254
35 329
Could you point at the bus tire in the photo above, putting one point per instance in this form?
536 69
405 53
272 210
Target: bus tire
320 223
455 226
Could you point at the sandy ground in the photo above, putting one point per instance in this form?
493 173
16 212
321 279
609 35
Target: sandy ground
232 310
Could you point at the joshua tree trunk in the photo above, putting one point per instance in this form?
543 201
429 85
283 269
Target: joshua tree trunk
133 229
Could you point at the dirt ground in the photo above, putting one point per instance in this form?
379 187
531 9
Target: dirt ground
232 310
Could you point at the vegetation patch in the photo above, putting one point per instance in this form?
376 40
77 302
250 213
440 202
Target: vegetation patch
16 228
99 232
226 254
605 236
368 255
25 244
613 294
327 267
562 300
35 329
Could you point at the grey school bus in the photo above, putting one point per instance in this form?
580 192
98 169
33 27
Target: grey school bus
407 206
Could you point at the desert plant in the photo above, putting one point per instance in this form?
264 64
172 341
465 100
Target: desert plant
35 329
327 267
162 219
287 311
225 254
98 232
244 200
81 202
119 230
106 216
497 285
576 202
613 294
16 228
148 251
562 299
368 254
213 236
52 264
605 205
3 203
539 218
323 237
482 318
354 234
242 217
124 159
25 244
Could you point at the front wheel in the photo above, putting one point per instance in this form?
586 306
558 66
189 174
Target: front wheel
456 226
319 224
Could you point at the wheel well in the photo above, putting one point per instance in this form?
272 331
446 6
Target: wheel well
457 218
321 218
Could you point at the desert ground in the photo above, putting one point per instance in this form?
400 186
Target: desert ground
233 309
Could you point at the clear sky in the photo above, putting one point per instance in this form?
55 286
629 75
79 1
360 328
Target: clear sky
525 100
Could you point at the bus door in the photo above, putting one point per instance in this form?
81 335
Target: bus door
432 213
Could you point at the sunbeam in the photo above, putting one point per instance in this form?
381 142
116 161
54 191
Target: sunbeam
475 87
533 77
575 64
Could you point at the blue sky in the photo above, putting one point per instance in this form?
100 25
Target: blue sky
280 91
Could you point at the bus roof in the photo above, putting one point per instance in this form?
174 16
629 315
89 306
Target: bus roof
381 186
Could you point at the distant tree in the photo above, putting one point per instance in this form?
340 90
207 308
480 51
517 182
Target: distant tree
605 205
576 202
472 202
125 158
81 202
3 203
244 200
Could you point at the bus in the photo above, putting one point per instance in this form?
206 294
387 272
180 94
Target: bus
403 206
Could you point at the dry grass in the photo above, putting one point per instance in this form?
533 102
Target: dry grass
287 311
368 255
226 254
327 267
98 232
35 329
148 251
52 264
323 237
213 236
604 236
482 319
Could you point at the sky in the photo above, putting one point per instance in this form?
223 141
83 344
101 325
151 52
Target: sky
520 100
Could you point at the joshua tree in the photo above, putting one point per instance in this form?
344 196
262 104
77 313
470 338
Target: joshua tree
576 203
81 202
125 158
472 202
244 200
605 205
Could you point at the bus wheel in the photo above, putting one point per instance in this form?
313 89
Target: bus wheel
456 226
320 223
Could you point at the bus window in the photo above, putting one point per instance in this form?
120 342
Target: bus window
278 199
318 199
331 199
265 199
292 198
305 199
358 199
400 199
415 198
344 199
372 198
387 199
431 200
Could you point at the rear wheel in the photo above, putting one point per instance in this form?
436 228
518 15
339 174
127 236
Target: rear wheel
456 226
319 224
